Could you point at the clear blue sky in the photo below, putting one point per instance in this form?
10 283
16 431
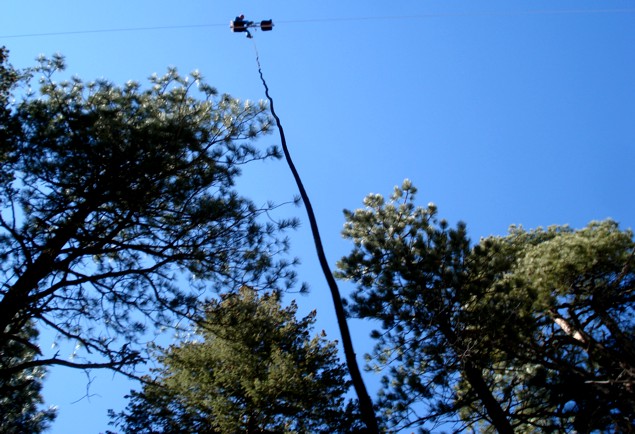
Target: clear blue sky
500 112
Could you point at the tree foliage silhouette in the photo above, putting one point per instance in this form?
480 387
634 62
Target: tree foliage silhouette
532 331
119 211
254 369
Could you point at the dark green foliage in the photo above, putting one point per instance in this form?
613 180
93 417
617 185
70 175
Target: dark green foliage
412 275
20 392
8 79
113 197
568 344
255 369
532 332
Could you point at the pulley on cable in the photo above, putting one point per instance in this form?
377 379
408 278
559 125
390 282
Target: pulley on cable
240 24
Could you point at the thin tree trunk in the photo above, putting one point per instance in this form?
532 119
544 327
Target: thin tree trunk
365 403
492 406
17 297
474 376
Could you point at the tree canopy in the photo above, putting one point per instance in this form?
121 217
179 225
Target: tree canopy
566 348
119 214
532 331
20 393
119 210
20 396
253 368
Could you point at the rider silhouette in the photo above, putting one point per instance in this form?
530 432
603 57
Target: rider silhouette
241 23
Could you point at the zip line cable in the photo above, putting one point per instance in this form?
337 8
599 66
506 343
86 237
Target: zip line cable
466 14
334 20
365 402
115 30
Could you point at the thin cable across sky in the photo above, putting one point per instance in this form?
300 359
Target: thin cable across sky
332 20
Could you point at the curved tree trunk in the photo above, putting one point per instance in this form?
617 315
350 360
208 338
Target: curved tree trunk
365 403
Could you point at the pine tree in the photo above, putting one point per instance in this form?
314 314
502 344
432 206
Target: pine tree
566 350
529 332
254 369
112 195
20 397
